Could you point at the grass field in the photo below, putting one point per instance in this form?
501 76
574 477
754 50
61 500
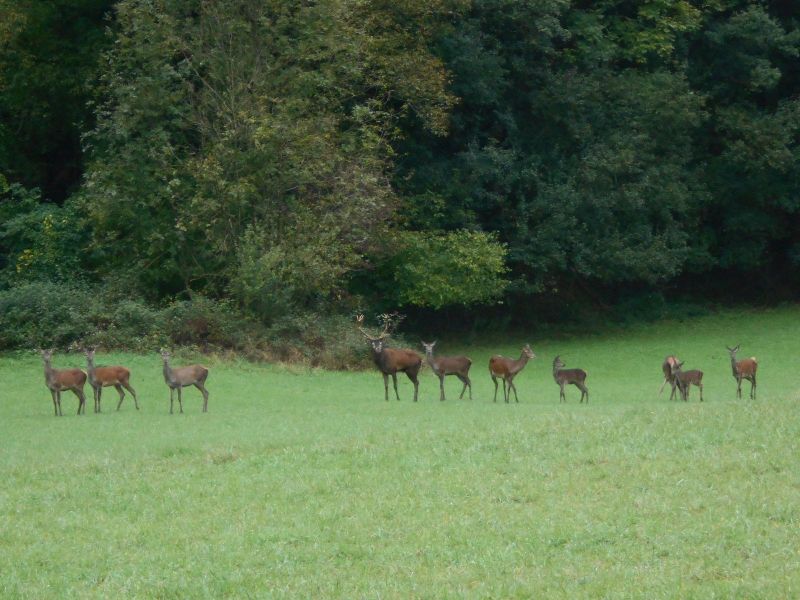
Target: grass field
307 484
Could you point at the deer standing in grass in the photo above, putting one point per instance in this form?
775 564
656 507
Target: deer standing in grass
100 377
683 380
564 377
449 365
666 368
182 377
391 360
743 369
507 369
58 380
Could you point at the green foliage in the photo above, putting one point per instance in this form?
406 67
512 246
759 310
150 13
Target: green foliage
440 269
43 315
39 241
49 54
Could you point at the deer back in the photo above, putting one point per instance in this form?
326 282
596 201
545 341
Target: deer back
693 376
452 364
66 378
570 375
110 375
391 360
746 366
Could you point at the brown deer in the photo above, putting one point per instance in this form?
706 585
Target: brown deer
100 377
449 365
666 368
182 377
58 380
743 369
391 360
564 377
683 380
507 369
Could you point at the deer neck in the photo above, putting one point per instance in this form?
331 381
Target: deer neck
518 365
167 371
556 371
734 366
90 368
49 372
431 362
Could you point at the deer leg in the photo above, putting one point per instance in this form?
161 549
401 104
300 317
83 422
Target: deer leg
562 397
121 395
753 387
180 401
739 387
81 400
386 386
441 388
466 383
494 379
394 381
415 381
204 391
55 404
700 385
672 394
58 397
506 391
661 389
128 387
511 386
171 394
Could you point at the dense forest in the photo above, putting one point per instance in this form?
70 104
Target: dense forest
248 174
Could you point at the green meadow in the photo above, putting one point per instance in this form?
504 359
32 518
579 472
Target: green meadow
306 484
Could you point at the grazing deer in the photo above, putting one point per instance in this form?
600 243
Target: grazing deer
683 380
564 377
182 377
58 380
507 369
743 369
449 365
391 360
100 377
666 368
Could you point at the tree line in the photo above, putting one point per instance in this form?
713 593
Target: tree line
289 163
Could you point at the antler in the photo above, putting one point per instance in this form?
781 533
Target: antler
384 333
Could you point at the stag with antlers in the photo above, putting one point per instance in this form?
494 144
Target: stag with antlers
391 360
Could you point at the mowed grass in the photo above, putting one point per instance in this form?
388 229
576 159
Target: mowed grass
301 483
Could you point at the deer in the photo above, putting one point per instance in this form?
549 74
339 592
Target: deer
683 380
58 380
391 360
666 368
100 377
564 377
449 365
743 369
182 377
507 369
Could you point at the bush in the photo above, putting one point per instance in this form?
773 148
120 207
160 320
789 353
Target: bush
44 314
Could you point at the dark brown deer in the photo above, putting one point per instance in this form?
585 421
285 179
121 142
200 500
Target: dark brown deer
666 368
100 377
507 369
58 380
449 365
564 377
743 369
391 360
182 377
683 380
